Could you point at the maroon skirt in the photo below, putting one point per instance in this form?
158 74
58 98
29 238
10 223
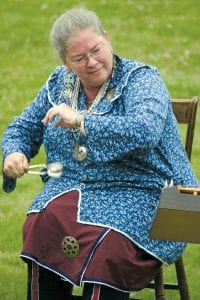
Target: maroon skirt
84 253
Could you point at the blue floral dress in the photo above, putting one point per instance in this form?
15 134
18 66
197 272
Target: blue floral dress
133 147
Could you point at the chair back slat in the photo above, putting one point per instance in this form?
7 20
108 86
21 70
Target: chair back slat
185 111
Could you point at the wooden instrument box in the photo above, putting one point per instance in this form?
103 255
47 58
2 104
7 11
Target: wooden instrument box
178 215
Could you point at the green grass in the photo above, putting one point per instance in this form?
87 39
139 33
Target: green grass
164 33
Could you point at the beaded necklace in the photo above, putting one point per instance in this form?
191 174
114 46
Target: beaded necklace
97 99
80 151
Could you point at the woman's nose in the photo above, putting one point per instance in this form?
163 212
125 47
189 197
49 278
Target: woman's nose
91 61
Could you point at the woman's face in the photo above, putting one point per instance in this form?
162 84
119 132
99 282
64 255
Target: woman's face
89 55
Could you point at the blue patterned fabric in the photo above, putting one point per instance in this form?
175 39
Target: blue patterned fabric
133 146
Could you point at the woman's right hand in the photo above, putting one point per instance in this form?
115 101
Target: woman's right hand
15 165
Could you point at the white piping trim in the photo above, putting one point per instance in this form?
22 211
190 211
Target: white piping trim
84 270
124 85
48 93
49 201
109 285
68 280
45 267
97 224
113 228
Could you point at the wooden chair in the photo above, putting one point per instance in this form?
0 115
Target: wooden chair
185 111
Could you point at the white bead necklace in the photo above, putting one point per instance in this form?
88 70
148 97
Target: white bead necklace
97 99
80 151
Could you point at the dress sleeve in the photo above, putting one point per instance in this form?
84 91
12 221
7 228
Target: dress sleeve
25 133
139 128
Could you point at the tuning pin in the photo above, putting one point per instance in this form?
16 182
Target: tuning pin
165 184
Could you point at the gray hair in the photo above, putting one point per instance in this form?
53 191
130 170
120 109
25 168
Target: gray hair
68 23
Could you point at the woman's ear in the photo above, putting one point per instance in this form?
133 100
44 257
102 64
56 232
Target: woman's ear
107 38
105 35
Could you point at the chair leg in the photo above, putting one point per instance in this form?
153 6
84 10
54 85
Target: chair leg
159 286
182 281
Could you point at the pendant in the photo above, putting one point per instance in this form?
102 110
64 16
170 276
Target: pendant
80 152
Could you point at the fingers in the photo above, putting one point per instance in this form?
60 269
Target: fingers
50 116
58 110
15 165
65 113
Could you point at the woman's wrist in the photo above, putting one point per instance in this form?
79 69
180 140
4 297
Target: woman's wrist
78 121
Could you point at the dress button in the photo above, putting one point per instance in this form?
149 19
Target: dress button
82 186
84 177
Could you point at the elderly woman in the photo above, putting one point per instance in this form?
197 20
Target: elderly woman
109 121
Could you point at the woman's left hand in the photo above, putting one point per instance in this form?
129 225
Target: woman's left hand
66 113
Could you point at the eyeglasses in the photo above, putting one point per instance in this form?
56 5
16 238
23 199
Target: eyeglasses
82 60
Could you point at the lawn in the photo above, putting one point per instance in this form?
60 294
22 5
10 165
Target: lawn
164 33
